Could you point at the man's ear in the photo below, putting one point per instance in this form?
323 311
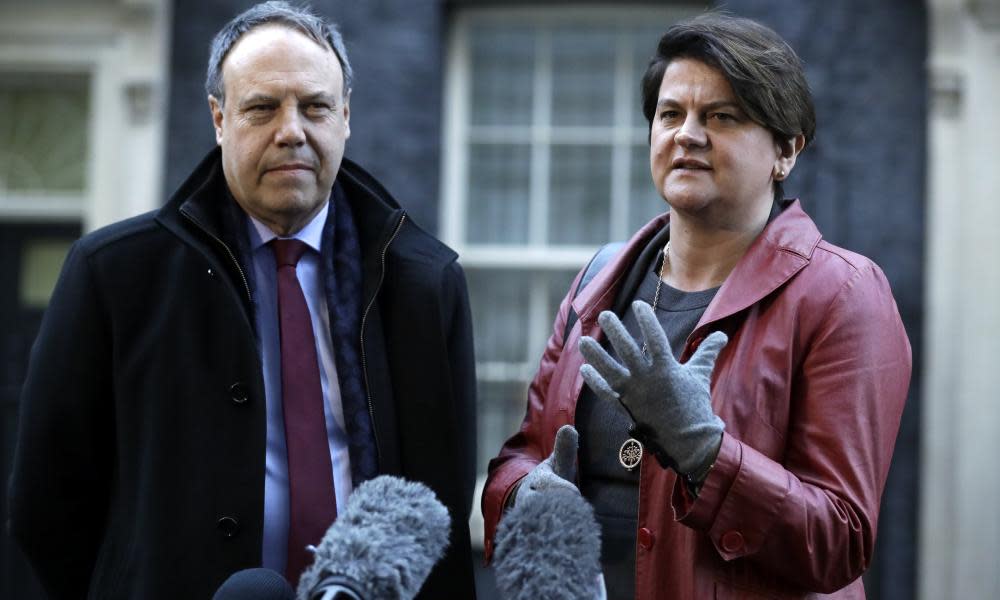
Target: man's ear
216 107
788 151
347 115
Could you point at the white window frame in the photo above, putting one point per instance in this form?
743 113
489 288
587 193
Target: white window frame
538 259
622 135
120 47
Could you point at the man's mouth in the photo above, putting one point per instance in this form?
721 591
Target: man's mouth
291 167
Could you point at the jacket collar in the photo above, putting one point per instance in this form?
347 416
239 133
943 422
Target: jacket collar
205 198
784 247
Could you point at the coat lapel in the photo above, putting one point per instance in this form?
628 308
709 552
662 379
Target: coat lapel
784 247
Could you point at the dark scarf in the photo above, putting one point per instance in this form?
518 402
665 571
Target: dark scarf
341 266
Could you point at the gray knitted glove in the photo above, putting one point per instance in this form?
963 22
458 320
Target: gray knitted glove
556 471
670 402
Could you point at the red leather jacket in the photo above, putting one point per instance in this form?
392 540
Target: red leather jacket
811 388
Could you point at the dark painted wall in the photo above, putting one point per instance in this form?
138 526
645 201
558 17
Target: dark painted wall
395 48
863 182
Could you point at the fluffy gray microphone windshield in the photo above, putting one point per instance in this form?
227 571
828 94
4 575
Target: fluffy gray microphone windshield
549 546
386 540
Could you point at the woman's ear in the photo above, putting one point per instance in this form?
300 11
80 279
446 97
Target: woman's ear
788 151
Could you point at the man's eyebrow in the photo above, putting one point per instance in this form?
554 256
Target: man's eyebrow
662 102
321 96
257 99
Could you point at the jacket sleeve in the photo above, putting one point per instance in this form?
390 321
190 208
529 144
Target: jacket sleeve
811 519
462 364
534 440
58 494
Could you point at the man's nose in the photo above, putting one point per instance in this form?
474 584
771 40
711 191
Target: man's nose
691 133
290 131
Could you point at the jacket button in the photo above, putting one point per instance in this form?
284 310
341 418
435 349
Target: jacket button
646 539
229 526
732 541
238 393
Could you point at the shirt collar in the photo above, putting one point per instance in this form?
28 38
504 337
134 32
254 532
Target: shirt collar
311 234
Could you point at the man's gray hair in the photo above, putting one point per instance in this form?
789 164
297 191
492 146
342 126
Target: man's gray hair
275 12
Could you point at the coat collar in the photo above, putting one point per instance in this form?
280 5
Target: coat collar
784 247
205 197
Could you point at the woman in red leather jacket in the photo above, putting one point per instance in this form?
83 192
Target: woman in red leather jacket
745 379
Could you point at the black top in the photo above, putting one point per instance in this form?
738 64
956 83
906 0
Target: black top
611 489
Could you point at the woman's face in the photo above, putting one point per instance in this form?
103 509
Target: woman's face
707 158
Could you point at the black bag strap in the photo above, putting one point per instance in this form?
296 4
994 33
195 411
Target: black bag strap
597 262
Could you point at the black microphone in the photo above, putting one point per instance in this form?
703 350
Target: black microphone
382 546
255 584
548 545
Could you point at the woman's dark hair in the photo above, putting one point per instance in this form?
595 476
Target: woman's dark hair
765 73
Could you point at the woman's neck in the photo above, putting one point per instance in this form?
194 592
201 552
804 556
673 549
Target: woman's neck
702 257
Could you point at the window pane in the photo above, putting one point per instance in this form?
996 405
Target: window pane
501 410
644 201
499 302
583 64
643 48
41 262
558 283
43 133
503 66
580 194
498 193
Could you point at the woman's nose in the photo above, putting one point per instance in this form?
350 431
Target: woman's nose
691 133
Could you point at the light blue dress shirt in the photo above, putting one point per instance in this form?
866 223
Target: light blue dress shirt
266 300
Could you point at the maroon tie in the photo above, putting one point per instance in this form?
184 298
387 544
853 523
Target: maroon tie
312 503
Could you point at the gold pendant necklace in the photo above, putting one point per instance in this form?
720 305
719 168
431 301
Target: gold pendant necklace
630 452
659 283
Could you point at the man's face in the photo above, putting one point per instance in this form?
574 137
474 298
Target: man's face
283 126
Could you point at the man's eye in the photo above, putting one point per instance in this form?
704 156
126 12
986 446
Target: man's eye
318 108
668 114
721 116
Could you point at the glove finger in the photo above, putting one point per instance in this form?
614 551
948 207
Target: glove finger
703 360
564 453
624 345
656 340
603 363
597 383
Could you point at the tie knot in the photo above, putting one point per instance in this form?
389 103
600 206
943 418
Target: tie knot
288 252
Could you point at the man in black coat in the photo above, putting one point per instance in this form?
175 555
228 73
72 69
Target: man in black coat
151 457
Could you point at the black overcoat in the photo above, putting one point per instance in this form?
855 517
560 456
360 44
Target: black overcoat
139 469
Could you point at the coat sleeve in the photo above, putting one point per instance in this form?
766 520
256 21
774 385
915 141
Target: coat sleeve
58 494
534 440
462 363
811 519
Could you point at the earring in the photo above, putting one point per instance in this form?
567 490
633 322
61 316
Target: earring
781 174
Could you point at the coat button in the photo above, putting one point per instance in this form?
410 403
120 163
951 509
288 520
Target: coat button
229 526
646 539
238 393
732 541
